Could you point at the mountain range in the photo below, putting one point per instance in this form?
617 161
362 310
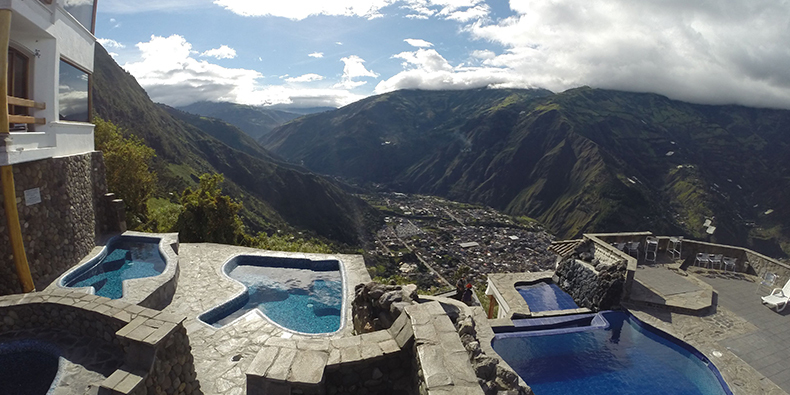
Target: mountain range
253 120
276 195
585 160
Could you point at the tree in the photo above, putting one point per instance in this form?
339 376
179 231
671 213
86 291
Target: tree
128 169
209 216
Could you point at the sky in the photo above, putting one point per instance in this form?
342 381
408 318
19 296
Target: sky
308 53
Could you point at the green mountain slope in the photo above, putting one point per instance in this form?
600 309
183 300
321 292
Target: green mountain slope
275 196
255 121
583 160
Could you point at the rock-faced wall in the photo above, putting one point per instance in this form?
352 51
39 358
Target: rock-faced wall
60 230
592 284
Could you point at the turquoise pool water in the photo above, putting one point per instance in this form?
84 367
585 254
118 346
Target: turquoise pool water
297 294
542 296
127 258
625 358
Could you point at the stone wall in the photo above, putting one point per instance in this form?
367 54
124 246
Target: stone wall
376 306
591 283
64 226
153 345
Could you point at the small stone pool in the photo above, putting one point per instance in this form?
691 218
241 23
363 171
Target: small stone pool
124 258
615 354
300 295
28 368
545 296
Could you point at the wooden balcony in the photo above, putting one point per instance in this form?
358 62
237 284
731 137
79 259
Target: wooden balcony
16 101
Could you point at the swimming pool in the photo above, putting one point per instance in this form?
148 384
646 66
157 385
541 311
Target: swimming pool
301 295
625 356
545 296
28 368
124 258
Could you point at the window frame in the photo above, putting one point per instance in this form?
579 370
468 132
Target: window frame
90 90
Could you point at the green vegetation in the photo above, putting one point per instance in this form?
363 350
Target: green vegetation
128 173
277 242
163 215
209 216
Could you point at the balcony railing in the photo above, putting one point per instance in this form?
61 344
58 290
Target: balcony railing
16 101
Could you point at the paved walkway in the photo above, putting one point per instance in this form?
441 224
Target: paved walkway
767 348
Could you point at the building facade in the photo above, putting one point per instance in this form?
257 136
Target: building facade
53 181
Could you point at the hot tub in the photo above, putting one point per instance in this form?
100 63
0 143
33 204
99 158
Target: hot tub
297 294
29 368
545 296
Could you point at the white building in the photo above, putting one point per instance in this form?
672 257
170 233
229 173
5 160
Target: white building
52 179
50 60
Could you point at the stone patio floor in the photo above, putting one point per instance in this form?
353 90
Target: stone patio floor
744 339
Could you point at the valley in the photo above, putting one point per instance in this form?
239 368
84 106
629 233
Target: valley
432 241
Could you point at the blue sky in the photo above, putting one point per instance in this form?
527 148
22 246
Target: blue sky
333 52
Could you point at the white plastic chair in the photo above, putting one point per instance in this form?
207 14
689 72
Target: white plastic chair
729 263
778 298
767 280
675 246
651 249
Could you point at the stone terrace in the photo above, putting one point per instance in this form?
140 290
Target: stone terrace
767 345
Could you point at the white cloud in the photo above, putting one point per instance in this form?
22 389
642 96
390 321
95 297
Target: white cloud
113 54
306 78
414 42
316 55
223 52
469 14
427 69
732 51
484 54
354 67
140 6
301 9
458 10
110 43
170 73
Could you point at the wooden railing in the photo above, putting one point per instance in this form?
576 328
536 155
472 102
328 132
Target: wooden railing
16 101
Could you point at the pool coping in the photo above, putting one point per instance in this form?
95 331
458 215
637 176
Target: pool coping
345 304
152 292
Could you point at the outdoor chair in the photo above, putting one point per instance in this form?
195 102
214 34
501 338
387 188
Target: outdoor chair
633 248
702 258
651 248
729 263
675 246
767 280
715 260
778 298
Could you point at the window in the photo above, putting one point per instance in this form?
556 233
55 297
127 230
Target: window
17 82
73 94
82 10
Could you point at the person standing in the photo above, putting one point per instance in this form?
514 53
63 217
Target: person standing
467 296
